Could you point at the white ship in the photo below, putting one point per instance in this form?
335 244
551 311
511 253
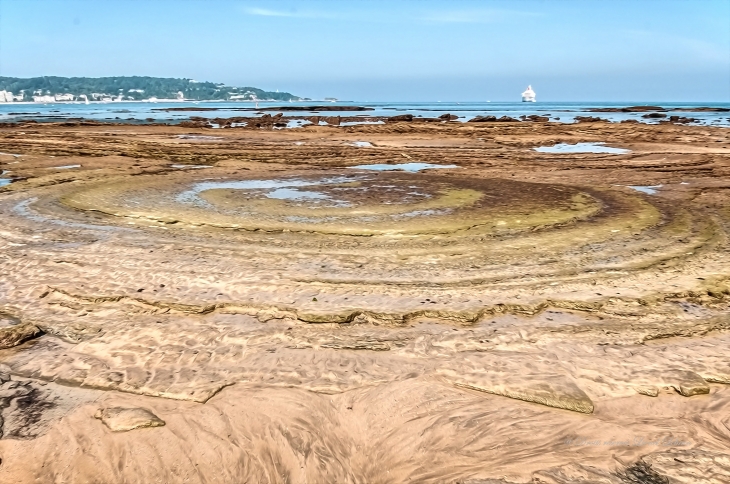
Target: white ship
529 95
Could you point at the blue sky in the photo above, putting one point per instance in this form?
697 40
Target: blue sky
569 50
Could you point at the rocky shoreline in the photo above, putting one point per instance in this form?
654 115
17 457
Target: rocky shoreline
266 305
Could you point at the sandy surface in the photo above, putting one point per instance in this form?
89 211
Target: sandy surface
270 314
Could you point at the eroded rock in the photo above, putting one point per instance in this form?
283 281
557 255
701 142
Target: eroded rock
401 117
550 390
588 119
23 404
648 390
14 335
689 383
120 419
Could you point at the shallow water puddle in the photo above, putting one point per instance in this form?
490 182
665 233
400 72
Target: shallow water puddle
5 181
580 148
410 167
297 123
649 190
356 123
191 195
362 144
294 194
183 167
64 167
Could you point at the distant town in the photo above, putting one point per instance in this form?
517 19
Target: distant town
52 89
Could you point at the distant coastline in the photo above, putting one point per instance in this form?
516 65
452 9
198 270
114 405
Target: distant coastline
54 89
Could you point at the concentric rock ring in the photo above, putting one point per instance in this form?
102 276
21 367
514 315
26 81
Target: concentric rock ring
364 204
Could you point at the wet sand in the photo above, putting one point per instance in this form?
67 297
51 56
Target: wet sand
278 315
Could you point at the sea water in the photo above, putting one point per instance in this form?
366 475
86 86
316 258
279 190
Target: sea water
140 112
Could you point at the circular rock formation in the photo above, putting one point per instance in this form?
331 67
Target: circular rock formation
282 299
339 203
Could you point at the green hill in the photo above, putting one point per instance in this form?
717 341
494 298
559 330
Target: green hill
135 88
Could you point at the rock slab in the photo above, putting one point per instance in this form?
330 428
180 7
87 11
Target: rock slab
551 390
15 335
120 419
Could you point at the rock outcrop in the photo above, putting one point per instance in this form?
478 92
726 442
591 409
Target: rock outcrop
120 419
14 335
401 117
550 390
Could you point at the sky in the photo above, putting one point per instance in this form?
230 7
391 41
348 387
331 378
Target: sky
395 50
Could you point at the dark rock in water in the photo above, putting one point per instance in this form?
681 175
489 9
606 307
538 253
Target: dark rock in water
536 118
15 335
194 124
588 119
636 109
703 109
492 119
681 119
654 115
448 117
482 119
317 108
402 117
630 121
630 109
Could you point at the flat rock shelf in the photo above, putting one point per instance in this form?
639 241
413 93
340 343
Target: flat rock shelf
257 306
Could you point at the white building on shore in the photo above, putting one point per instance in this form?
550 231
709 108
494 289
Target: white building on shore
6 97
44 99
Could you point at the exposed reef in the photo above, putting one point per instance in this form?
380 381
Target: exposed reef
280 314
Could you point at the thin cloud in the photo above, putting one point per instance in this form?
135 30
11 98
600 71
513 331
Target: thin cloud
268 13
475 16
265 12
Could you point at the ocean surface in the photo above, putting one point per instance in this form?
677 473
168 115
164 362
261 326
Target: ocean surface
143 112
